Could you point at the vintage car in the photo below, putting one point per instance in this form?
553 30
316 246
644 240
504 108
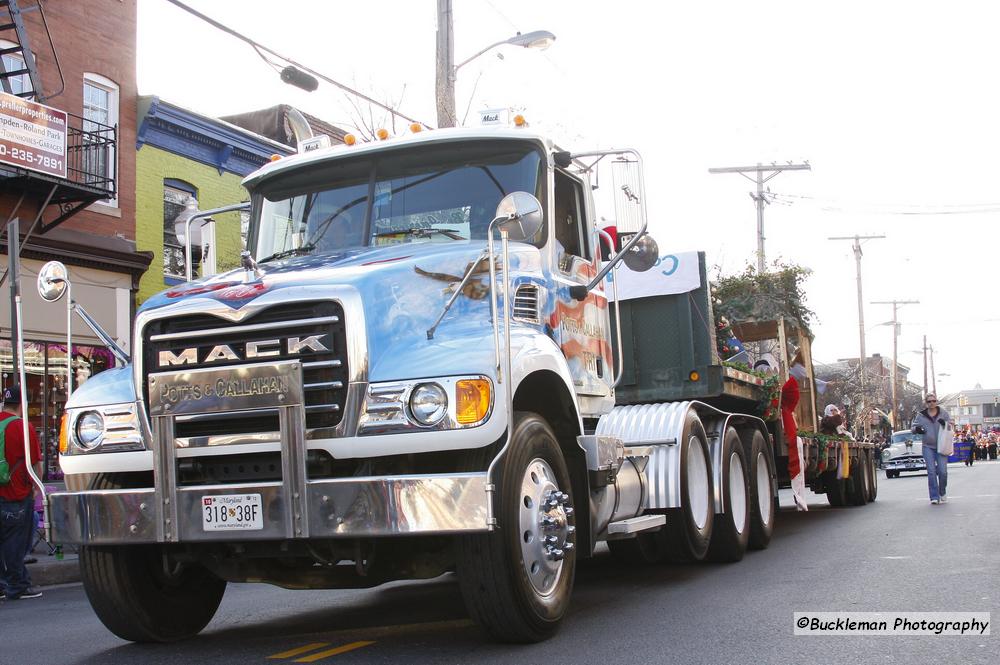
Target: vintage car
904 453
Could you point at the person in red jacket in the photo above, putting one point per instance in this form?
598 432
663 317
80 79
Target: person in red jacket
17 502
789 400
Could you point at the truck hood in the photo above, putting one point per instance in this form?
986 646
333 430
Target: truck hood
403 289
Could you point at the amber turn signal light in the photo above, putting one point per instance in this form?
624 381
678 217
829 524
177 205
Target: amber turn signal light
694 375
63 435
472 400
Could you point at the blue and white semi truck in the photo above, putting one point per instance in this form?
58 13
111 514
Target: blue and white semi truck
412 372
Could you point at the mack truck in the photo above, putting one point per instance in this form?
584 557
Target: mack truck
419 367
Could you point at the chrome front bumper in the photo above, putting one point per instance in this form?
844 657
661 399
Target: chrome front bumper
338 508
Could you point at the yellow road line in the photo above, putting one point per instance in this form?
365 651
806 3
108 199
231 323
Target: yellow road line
299 650
313 657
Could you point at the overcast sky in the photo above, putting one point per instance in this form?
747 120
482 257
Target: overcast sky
895 106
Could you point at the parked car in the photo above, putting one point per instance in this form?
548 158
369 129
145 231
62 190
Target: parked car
903 454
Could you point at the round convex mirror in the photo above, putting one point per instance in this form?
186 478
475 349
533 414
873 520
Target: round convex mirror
643 254
525 213
53 279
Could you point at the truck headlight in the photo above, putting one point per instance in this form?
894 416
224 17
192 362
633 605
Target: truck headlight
428 403
89 429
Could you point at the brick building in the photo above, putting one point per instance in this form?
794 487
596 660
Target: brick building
72 191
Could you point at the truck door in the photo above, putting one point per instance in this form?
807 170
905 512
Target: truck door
580 326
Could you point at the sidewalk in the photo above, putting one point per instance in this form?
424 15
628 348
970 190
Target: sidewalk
49 570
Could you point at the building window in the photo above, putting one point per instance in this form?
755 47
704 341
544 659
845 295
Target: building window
13 62
176 197
100 112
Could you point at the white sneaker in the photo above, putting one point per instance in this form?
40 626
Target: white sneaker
944 499
935 502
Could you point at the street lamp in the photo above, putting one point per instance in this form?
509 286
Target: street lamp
447 72
540 39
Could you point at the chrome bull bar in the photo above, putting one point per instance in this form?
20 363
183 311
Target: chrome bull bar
294 508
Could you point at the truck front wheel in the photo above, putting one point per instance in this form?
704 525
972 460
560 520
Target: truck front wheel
517 579
140 596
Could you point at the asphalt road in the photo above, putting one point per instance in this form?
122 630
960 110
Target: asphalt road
898 554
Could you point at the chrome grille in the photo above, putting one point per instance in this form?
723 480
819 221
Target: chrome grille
526 303
325 372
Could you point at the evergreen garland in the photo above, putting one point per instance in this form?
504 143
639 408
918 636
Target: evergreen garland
755 296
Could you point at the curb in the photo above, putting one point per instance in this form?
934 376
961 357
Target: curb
50 571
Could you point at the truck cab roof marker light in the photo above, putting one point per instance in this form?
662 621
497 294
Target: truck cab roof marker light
350 139
416 127
382 133
275 157
520 121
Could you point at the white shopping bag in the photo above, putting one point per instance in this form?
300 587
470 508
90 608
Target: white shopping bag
946 439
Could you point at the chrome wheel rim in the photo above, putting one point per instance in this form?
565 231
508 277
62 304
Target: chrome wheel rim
545 530
697 482
763 489
737 492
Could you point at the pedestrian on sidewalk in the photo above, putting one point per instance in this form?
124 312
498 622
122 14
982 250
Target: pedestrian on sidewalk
17 501
928 424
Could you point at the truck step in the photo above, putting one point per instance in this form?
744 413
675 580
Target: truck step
625 528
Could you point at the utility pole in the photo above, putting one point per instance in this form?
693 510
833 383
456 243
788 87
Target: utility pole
895 349
758 197
933 376
861 303
445 79
925 365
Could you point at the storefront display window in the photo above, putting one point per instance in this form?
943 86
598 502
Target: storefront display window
45 377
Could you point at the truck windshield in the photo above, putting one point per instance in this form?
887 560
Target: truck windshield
429 194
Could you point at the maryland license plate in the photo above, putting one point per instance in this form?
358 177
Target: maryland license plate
231 512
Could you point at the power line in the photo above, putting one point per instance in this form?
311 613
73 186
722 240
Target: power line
258 47
833 205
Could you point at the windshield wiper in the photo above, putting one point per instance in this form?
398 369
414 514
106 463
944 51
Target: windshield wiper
418 231
295 251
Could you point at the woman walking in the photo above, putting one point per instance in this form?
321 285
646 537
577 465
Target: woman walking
928 424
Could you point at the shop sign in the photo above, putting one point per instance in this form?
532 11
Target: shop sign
32 136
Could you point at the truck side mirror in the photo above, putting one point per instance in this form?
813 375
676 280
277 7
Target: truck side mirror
52 281
522 215
642 255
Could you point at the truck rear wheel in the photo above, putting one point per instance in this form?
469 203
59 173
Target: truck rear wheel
731 529
762 503
857 490
688 531
836 489
873 474
138 599
517 579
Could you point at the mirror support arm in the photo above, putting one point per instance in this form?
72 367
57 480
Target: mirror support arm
580 292
188 268
104 337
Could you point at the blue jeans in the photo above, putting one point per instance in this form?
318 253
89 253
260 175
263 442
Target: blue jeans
937 472
15 534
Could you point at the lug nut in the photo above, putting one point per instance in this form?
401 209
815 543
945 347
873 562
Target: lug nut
548 523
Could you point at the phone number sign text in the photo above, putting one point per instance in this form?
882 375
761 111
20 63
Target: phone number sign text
32 136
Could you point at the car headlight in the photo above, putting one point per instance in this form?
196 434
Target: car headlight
89 429
428 404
